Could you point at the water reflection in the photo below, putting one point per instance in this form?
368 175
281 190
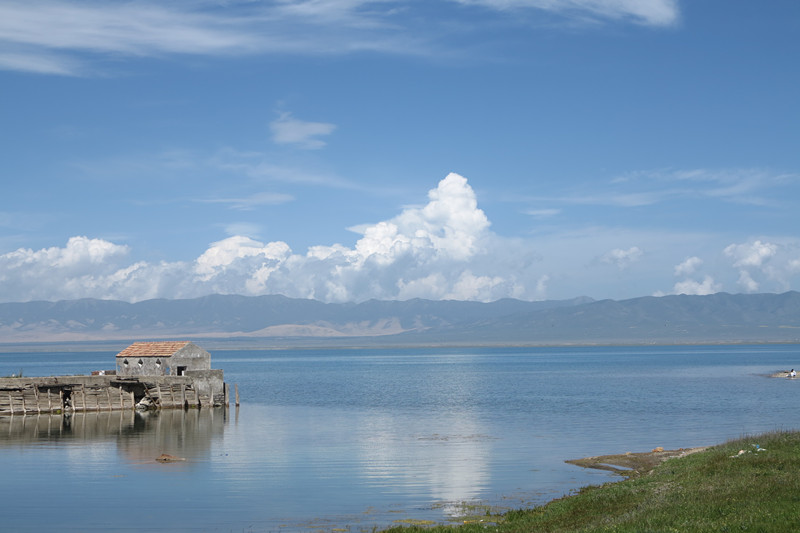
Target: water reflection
354 442
445 456
140 437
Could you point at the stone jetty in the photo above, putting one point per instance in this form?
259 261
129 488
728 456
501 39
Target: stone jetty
148 375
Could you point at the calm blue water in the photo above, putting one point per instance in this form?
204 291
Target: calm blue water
351 439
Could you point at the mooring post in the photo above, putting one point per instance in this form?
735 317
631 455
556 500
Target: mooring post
236 389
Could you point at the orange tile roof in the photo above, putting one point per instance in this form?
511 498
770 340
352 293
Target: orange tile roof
152 349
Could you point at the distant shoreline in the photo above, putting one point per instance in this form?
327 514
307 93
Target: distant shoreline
304 343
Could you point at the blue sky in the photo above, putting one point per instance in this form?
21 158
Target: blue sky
350 149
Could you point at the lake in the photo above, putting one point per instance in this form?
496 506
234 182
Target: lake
352 439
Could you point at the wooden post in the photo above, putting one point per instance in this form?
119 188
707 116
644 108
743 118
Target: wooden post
226 392
83 392
36 394
183 396
236 389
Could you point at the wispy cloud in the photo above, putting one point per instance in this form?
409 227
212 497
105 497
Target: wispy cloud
301 133
543 213
743 185
70 37
55 37
646 12
248 203
260 168
50 36
253 168
245 229
644 188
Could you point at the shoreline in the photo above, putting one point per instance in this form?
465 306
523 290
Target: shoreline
305 343
782 374
743 484
629 463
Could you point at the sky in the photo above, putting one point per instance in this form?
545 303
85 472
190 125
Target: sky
345 150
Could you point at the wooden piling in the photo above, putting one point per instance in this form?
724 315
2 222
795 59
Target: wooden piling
236 388
36 394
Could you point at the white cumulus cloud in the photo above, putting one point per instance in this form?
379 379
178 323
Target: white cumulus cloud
752 259
752 254
692 287
622 258
442 249
39 274
688 267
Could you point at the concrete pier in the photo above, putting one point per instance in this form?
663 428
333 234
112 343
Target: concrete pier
63 394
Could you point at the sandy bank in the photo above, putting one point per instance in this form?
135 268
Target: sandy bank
782 374
629 463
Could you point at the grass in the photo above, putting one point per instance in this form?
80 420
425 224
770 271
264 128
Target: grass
750 484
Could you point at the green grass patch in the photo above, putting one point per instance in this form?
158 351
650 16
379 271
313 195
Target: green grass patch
750 484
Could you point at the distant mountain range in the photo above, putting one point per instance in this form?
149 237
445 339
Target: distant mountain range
281 321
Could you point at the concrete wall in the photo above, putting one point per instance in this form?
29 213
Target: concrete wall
208 384
190 357
142 366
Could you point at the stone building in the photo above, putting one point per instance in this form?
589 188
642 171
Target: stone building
166 358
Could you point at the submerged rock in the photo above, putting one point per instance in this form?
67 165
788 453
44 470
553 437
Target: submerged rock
167 458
